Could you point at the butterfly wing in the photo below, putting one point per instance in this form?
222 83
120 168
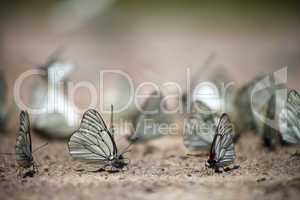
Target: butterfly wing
270 133
3 114
289 119
200 127
92 142
223 147
146 123
23 143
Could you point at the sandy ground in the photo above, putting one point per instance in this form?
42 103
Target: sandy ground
160 169
164 168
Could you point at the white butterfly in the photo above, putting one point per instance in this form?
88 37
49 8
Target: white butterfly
24 146
199 129
58 118
222 151
147 122
94 143
289 119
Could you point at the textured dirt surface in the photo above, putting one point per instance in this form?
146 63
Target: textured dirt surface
160 169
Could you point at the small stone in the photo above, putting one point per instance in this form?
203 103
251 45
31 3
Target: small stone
261 179
192 182
47 157
149 190
183 157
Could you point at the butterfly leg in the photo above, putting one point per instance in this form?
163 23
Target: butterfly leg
207 170
105 166
35 168
125 168
112 168
217 170
19 172
227 169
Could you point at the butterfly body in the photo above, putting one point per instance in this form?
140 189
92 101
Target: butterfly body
94 143
222 152
117 162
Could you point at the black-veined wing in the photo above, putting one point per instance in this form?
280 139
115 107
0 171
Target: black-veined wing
290 119
92 142
23 141
222 149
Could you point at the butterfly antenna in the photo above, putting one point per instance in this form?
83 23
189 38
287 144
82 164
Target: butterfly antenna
126 150
40 147
55 56
112 120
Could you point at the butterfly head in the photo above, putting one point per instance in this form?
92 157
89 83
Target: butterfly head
211 162
119 162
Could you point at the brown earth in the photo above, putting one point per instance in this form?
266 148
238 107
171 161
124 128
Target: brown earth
161 169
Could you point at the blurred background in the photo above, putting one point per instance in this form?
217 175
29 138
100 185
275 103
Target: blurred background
151 40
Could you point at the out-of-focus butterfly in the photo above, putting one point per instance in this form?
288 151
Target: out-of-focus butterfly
261 100
196 77
243 105
200 126
289 119
251 100
270 135
3 113
94 143
58 118
222 151
146 122
24 146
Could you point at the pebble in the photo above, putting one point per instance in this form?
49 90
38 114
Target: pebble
261 179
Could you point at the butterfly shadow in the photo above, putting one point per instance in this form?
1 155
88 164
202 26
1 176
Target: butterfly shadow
101 170
27 174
